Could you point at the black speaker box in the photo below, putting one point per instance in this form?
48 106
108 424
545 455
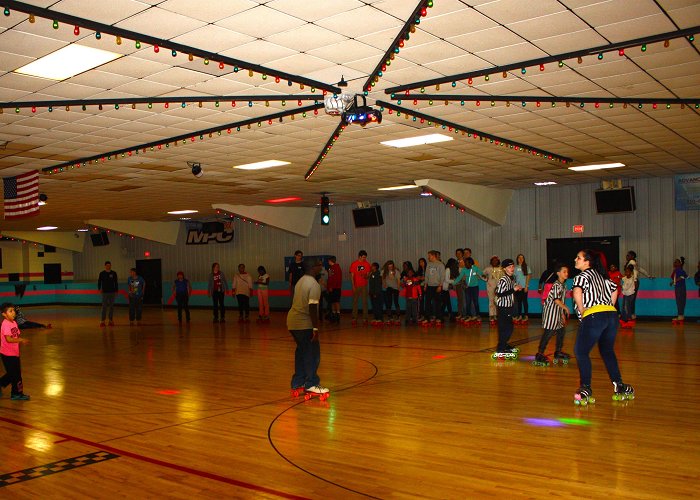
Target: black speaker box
368 217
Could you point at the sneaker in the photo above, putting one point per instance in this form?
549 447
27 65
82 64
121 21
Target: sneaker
25 397
317 389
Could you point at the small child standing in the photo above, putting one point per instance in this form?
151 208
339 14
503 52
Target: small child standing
263 295
242 285
628 288
182 290
412 290
678 277
554 314
9 352
615 276
375 294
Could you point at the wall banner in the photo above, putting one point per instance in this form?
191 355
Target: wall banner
687 191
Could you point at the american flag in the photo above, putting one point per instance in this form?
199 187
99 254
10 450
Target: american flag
21 195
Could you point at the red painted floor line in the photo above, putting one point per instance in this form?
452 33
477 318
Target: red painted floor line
155 461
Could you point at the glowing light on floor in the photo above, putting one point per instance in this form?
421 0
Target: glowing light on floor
168 392
543 422
439 356
574 421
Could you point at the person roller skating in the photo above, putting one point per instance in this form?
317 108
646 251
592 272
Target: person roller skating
594 296
554 315
505 290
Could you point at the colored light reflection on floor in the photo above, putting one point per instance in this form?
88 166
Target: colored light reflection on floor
527 358
439 356
168 392
555 422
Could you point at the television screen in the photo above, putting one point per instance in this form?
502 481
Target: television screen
610 201
368 217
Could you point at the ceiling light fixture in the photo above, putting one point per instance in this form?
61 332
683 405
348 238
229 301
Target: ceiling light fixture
197 170
417 141
546 183
46 228
183 212
585 168
396 188
82 230
262 164
67 62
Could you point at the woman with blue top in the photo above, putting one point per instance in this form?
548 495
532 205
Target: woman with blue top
522 276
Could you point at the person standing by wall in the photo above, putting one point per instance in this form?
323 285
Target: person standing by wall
263 282
391 279
242 285
335 285
359 273
459 285
493 274
522 276
434 279
182 290
108 284
678 277
295 271
136 285
216 289
632 261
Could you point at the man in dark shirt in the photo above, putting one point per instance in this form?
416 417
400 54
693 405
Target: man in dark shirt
296 270
108 284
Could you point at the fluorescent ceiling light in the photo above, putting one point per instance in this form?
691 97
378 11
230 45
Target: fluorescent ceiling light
396 188
183 212
417 141
262 164
584 168
546 183
83 230
68 61
46 228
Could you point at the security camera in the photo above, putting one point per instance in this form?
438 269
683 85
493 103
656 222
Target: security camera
196 168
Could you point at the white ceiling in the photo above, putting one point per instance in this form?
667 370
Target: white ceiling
323 40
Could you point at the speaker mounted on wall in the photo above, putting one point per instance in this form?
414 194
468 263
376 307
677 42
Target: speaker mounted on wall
368 217
613 201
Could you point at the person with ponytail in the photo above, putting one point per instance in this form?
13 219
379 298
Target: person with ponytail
594 298
678 277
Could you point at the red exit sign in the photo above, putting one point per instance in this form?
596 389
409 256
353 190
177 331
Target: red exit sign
578 228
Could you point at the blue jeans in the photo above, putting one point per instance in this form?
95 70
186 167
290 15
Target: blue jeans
307 357
626 313
597 328
135 308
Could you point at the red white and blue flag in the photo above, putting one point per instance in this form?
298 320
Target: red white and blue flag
21 195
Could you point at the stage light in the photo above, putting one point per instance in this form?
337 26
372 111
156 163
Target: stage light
197 170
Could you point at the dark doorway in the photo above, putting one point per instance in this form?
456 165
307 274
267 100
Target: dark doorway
52 274
150 271
564 250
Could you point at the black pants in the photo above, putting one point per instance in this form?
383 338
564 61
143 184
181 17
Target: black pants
505 326
433 304
377 306
13 375
544 340
391 296
218 298
243 305
472 298
521 302
183 302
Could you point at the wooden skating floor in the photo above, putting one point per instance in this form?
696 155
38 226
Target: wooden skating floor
204 411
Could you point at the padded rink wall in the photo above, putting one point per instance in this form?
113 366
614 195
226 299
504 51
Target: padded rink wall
655 297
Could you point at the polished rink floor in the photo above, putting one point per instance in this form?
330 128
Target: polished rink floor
204 411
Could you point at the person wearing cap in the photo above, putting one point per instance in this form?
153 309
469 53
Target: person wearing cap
505 302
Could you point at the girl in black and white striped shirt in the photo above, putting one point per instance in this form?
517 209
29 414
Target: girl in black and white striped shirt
594 296
554 314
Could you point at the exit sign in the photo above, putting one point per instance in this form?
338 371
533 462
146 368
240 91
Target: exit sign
578 228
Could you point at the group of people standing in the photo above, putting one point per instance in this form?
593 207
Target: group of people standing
242 289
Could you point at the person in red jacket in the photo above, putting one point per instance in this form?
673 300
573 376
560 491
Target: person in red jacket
359 273
334 287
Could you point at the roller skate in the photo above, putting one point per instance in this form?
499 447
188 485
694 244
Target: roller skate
561 357
584 396
492 321
438 323
316 391
516 320
365 322
396 321
240 319
541 360
297 391
678 321
354 322
622 391
509 352
524 320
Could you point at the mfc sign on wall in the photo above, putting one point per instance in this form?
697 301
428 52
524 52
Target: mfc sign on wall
211 232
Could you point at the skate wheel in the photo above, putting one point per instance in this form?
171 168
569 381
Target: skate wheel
494 356
564 361
307 397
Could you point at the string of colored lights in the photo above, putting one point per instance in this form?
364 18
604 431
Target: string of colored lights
134 150
469 132
541 62
157 43
326 149
397 44
182 101
478 100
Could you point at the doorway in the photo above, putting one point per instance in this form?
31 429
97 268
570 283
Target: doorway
564 250
150 271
